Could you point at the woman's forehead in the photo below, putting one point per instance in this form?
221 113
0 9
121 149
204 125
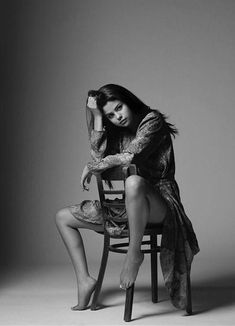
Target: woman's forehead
110 106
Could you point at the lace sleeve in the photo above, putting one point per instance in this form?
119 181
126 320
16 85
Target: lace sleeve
98 142
110 161
148 137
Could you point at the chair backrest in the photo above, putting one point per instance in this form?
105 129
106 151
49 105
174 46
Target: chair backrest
114 174
120 174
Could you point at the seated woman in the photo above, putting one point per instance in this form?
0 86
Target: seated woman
123 130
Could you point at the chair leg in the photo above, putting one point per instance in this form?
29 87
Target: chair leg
101 271
188 294
129 303
154 268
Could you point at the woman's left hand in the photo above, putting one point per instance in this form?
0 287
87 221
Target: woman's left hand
85 178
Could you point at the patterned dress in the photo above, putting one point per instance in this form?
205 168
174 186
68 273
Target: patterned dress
152 151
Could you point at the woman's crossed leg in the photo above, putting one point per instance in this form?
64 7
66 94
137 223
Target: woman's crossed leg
144 205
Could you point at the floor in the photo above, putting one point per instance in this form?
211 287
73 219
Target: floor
43 296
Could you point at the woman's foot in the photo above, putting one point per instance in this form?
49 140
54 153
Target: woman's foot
130 269
85 291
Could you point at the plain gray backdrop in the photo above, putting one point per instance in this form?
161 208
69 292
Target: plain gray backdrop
176 55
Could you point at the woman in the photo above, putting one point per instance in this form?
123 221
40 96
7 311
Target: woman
123 130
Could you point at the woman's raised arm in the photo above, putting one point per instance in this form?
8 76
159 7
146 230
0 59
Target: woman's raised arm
97 135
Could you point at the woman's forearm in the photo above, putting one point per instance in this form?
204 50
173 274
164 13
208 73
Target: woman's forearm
98 122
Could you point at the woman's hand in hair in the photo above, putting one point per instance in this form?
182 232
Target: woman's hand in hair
92 105
85 178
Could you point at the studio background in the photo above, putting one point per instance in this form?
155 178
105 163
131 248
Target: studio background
177 56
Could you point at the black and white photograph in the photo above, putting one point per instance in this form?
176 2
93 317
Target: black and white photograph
118 162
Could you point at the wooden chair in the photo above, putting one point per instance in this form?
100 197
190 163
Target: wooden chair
153 231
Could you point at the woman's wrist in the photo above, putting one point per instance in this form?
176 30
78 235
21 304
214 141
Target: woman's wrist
98 122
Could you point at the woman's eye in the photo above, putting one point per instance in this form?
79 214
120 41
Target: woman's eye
119 107
109 116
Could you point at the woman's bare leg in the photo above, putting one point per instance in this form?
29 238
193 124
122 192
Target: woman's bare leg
68 227
144 205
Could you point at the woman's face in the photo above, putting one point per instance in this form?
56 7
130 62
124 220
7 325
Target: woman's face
118 113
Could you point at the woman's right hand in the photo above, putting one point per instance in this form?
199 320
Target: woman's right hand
92 105
98 119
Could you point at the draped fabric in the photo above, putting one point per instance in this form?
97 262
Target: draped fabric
178 246
151 149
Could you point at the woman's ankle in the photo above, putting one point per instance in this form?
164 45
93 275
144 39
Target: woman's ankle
86 280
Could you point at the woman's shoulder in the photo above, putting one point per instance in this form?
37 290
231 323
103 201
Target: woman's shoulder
152 114
155 120
153 117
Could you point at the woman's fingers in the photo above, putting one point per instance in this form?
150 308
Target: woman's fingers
83 184
86 177
91 103
89 178
84 187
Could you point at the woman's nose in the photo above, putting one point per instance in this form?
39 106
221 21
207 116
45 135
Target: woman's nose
118 116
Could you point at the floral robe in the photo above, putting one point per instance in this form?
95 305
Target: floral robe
152 151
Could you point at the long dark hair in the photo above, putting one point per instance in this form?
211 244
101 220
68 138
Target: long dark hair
112 92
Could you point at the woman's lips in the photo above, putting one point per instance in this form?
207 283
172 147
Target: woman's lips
123 121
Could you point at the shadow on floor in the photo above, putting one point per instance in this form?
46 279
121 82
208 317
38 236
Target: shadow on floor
142 294
207 295
216 292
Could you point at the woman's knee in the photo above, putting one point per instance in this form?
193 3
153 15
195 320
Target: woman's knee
62 216
135 185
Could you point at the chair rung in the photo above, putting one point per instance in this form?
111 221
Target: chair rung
148 251
117 250
113 204
114 192
119 245
116 247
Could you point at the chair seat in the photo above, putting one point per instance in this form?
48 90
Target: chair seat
151 228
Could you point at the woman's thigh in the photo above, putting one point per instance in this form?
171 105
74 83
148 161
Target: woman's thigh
157 205
64 216
136 186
